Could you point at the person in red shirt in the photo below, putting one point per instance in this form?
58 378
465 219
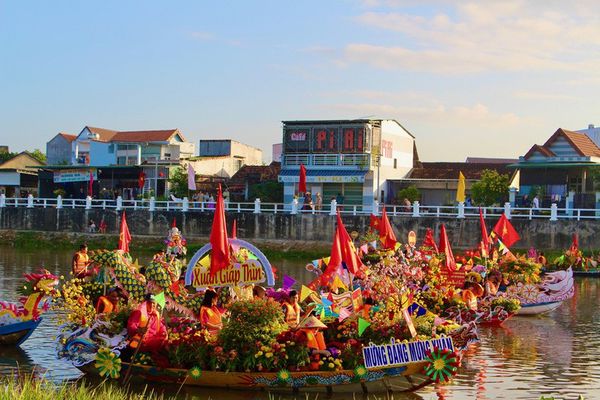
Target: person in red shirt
146 328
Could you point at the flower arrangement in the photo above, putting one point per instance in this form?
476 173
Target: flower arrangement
510 305
520 269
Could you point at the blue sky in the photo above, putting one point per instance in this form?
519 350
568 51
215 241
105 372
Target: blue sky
482 79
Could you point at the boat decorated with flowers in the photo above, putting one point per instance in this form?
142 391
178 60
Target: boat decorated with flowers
351 329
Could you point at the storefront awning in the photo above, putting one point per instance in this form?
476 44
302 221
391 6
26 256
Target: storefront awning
323 175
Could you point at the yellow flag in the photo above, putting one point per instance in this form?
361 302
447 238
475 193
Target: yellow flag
304 293
460 190
338 284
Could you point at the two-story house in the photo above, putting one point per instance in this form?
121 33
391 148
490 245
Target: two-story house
349 160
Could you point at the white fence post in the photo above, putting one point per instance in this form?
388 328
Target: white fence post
257 206
152 205
461 210
30 201
294 206
119 203
553 212
333 209
2 200
185 205
507 210
376 208
88 203
416 209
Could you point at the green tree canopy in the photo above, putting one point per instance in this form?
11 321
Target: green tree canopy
411 193
38 155
491 189
178 180
267 192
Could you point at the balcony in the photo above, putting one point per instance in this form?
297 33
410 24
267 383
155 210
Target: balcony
327 160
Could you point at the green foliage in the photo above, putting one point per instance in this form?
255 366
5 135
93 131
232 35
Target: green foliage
38 155
267 192
510 305
491 189
411 193
179 184
30 387
6 156
251 321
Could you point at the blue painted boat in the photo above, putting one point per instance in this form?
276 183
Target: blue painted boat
17 333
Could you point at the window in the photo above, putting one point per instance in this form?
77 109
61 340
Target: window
111 148
395 163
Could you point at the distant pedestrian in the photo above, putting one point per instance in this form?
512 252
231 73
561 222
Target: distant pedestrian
407 205
92 226
318 202
308 203
535 204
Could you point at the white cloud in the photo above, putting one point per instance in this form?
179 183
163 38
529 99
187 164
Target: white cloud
202 36
470 37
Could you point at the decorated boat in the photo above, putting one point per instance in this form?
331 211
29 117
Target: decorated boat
19 320
341 342
546 296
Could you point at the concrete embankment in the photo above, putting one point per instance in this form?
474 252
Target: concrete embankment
282 232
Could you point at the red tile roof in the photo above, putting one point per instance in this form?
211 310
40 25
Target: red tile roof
105 135
146 136
536 147
580 141
68 136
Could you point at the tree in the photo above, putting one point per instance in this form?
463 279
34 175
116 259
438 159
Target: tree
267 192
491 189
7 155
411 193
38 155
179 182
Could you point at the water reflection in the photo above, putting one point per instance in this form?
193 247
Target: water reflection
524 359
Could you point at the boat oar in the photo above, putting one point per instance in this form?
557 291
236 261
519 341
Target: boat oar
135 353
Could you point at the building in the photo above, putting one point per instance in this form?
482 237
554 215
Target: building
276 152
240 183
437 182
125 163
59 149
560 169
18 175
350 160
222 158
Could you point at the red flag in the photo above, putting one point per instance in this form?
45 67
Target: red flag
386 233
220 255
234 229
485 239
445 248
374 222
302 183
174 223
141 180
335 259
124 235
428 241
506 231
575 244
91 185
349 254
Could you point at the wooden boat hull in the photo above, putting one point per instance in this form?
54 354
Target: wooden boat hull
401 379
538 308
17 333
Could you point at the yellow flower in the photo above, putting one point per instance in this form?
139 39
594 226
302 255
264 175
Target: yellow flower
330 365
269 355
260 353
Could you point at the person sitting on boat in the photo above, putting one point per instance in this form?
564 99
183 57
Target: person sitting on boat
210 313
109 303
311 326
146 328
292 310
81 262
259 292
492 284
471 291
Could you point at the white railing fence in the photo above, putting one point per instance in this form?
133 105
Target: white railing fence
416 210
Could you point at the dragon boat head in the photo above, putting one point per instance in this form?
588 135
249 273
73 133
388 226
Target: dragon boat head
42 281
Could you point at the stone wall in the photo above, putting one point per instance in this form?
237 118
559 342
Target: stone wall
292 230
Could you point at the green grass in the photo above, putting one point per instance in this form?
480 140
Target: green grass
31 388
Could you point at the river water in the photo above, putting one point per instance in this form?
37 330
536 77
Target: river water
556 354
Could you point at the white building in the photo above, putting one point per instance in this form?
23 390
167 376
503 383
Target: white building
350 160
224 157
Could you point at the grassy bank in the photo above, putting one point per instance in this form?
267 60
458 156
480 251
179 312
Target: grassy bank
29 240
30 388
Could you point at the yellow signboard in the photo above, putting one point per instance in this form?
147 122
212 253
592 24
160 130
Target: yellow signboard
237 274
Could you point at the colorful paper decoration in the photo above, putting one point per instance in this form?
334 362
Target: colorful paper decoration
304 293
343 314
195 373
108 363
160 299
362 325
442 364
288 282
409 322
